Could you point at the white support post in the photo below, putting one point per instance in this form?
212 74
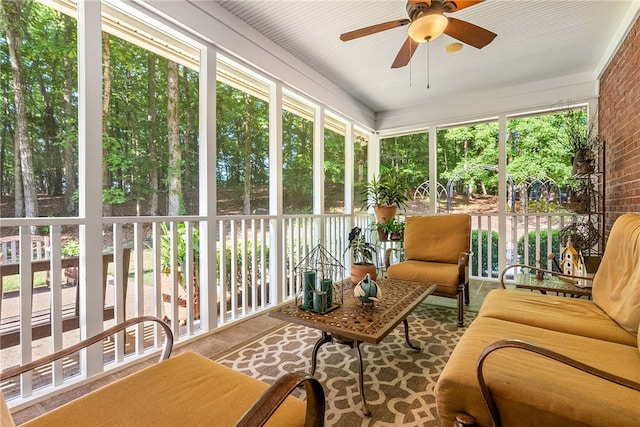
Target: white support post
90 184
276 241
433 169
208 228
502 192
318 172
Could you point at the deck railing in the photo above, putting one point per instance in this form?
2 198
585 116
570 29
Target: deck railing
253 259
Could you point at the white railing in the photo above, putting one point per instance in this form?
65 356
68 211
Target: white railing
528 239
254 258
163 279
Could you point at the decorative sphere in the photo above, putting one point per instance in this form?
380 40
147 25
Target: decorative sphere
367 290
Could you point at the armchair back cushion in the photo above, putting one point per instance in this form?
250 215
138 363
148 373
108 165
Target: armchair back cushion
438 238
616 285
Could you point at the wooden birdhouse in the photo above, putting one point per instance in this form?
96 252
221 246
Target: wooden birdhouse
571 261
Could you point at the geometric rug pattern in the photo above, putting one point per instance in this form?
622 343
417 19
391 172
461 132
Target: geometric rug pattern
399 382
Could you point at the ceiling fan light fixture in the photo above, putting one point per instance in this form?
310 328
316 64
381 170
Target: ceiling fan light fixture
428 27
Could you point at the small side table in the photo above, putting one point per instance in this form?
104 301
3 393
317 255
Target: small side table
550 284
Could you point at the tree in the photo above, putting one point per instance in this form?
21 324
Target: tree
107 208
152 141
70 139
13 25
175 152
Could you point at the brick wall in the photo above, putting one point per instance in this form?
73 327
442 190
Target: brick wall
619 124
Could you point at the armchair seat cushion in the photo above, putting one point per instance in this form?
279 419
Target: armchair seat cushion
444 275
187 388
570 315
520 382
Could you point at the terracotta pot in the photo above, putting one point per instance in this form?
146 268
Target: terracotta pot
384 213
359 271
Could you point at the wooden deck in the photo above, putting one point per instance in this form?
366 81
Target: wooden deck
41 319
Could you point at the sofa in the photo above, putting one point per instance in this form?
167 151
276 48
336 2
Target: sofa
436 251
545 360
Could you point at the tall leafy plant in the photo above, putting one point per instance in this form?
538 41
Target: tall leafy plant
181 246
388 189
362 252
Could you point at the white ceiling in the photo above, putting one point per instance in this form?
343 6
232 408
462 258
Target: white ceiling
537 40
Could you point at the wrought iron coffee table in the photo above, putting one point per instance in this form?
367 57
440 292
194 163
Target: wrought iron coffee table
352 323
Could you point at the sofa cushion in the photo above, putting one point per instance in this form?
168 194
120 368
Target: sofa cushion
533 390
186 389
444 275
438 238
616 285
571 315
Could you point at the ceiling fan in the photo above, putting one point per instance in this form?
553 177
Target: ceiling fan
426 23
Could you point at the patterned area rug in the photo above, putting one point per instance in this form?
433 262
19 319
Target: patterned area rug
399 382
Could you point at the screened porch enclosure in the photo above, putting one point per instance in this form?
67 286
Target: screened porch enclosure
265 174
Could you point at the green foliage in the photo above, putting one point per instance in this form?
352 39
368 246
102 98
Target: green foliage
181 244
237 256
392 225
484 252
71 248
462 150
297 162
362 252
531 247
388 189
407 155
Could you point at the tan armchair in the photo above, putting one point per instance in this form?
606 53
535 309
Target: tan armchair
187 389
436 251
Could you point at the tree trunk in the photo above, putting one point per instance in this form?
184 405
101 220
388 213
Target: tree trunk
175 154
18 200
4 137
107 208
11 12
248 125
70 174
52 151
153 135
188 164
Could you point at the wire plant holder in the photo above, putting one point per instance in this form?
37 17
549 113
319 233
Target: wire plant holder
318 277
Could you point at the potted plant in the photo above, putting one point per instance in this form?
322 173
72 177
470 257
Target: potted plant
386 194
396 229
583 142
165 259
382 229
362 254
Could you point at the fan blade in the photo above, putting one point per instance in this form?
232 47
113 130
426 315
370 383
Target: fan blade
406 52
462 4
469 33
373 29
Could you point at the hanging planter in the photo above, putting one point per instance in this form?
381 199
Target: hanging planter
583 162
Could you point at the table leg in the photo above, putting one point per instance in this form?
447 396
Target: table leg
325 338
365 409
406 335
